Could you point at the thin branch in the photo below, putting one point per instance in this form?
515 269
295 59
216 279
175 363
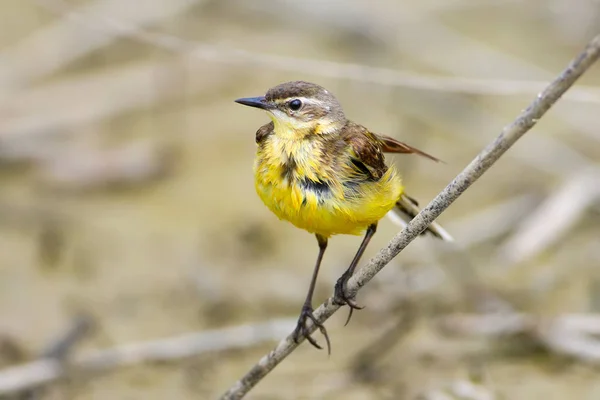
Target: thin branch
509 135
60 348
45 371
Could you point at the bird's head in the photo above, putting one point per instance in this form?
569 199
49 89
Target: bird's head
299 109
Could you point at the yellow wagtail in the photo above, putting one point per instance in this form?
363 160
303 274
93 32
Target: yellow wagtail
326 175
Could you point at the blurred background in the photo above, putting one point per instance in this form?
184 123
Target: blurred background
129 221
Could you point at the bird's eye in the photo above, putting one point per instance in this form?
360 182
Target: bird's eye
295 105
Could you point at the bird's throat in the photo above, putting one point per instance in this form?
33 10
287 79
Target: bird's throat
286 127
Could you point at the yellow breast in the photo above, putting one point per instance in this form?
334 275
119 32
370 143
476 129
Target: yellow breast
298 184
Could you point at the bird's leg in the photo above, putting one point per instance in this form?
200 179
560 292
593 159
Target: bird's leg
307 310
341 297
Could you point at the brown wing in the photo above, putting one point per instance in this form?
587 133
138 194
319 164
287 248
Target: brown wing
368 155
264 131
391 145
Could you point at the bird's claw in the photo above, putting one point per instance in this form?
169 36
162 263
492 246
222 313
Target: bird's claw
303 331
341 297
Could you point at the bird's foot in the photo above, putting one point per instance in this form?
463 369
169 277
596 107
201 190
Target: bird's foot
302 328
341 297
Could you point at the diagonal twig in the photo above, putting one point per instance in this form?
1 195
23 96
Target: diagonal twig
484 160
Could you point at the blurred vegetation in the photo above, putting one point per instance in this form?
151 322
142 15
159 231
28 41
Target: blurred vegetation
126 193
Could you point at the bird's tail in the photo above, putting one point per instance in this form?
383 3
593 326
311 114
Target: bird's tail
407 208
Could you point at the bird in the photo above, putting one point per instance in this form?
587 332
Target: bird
327 175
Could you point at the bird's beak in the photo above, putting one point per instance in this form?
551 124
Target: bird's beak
258 102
